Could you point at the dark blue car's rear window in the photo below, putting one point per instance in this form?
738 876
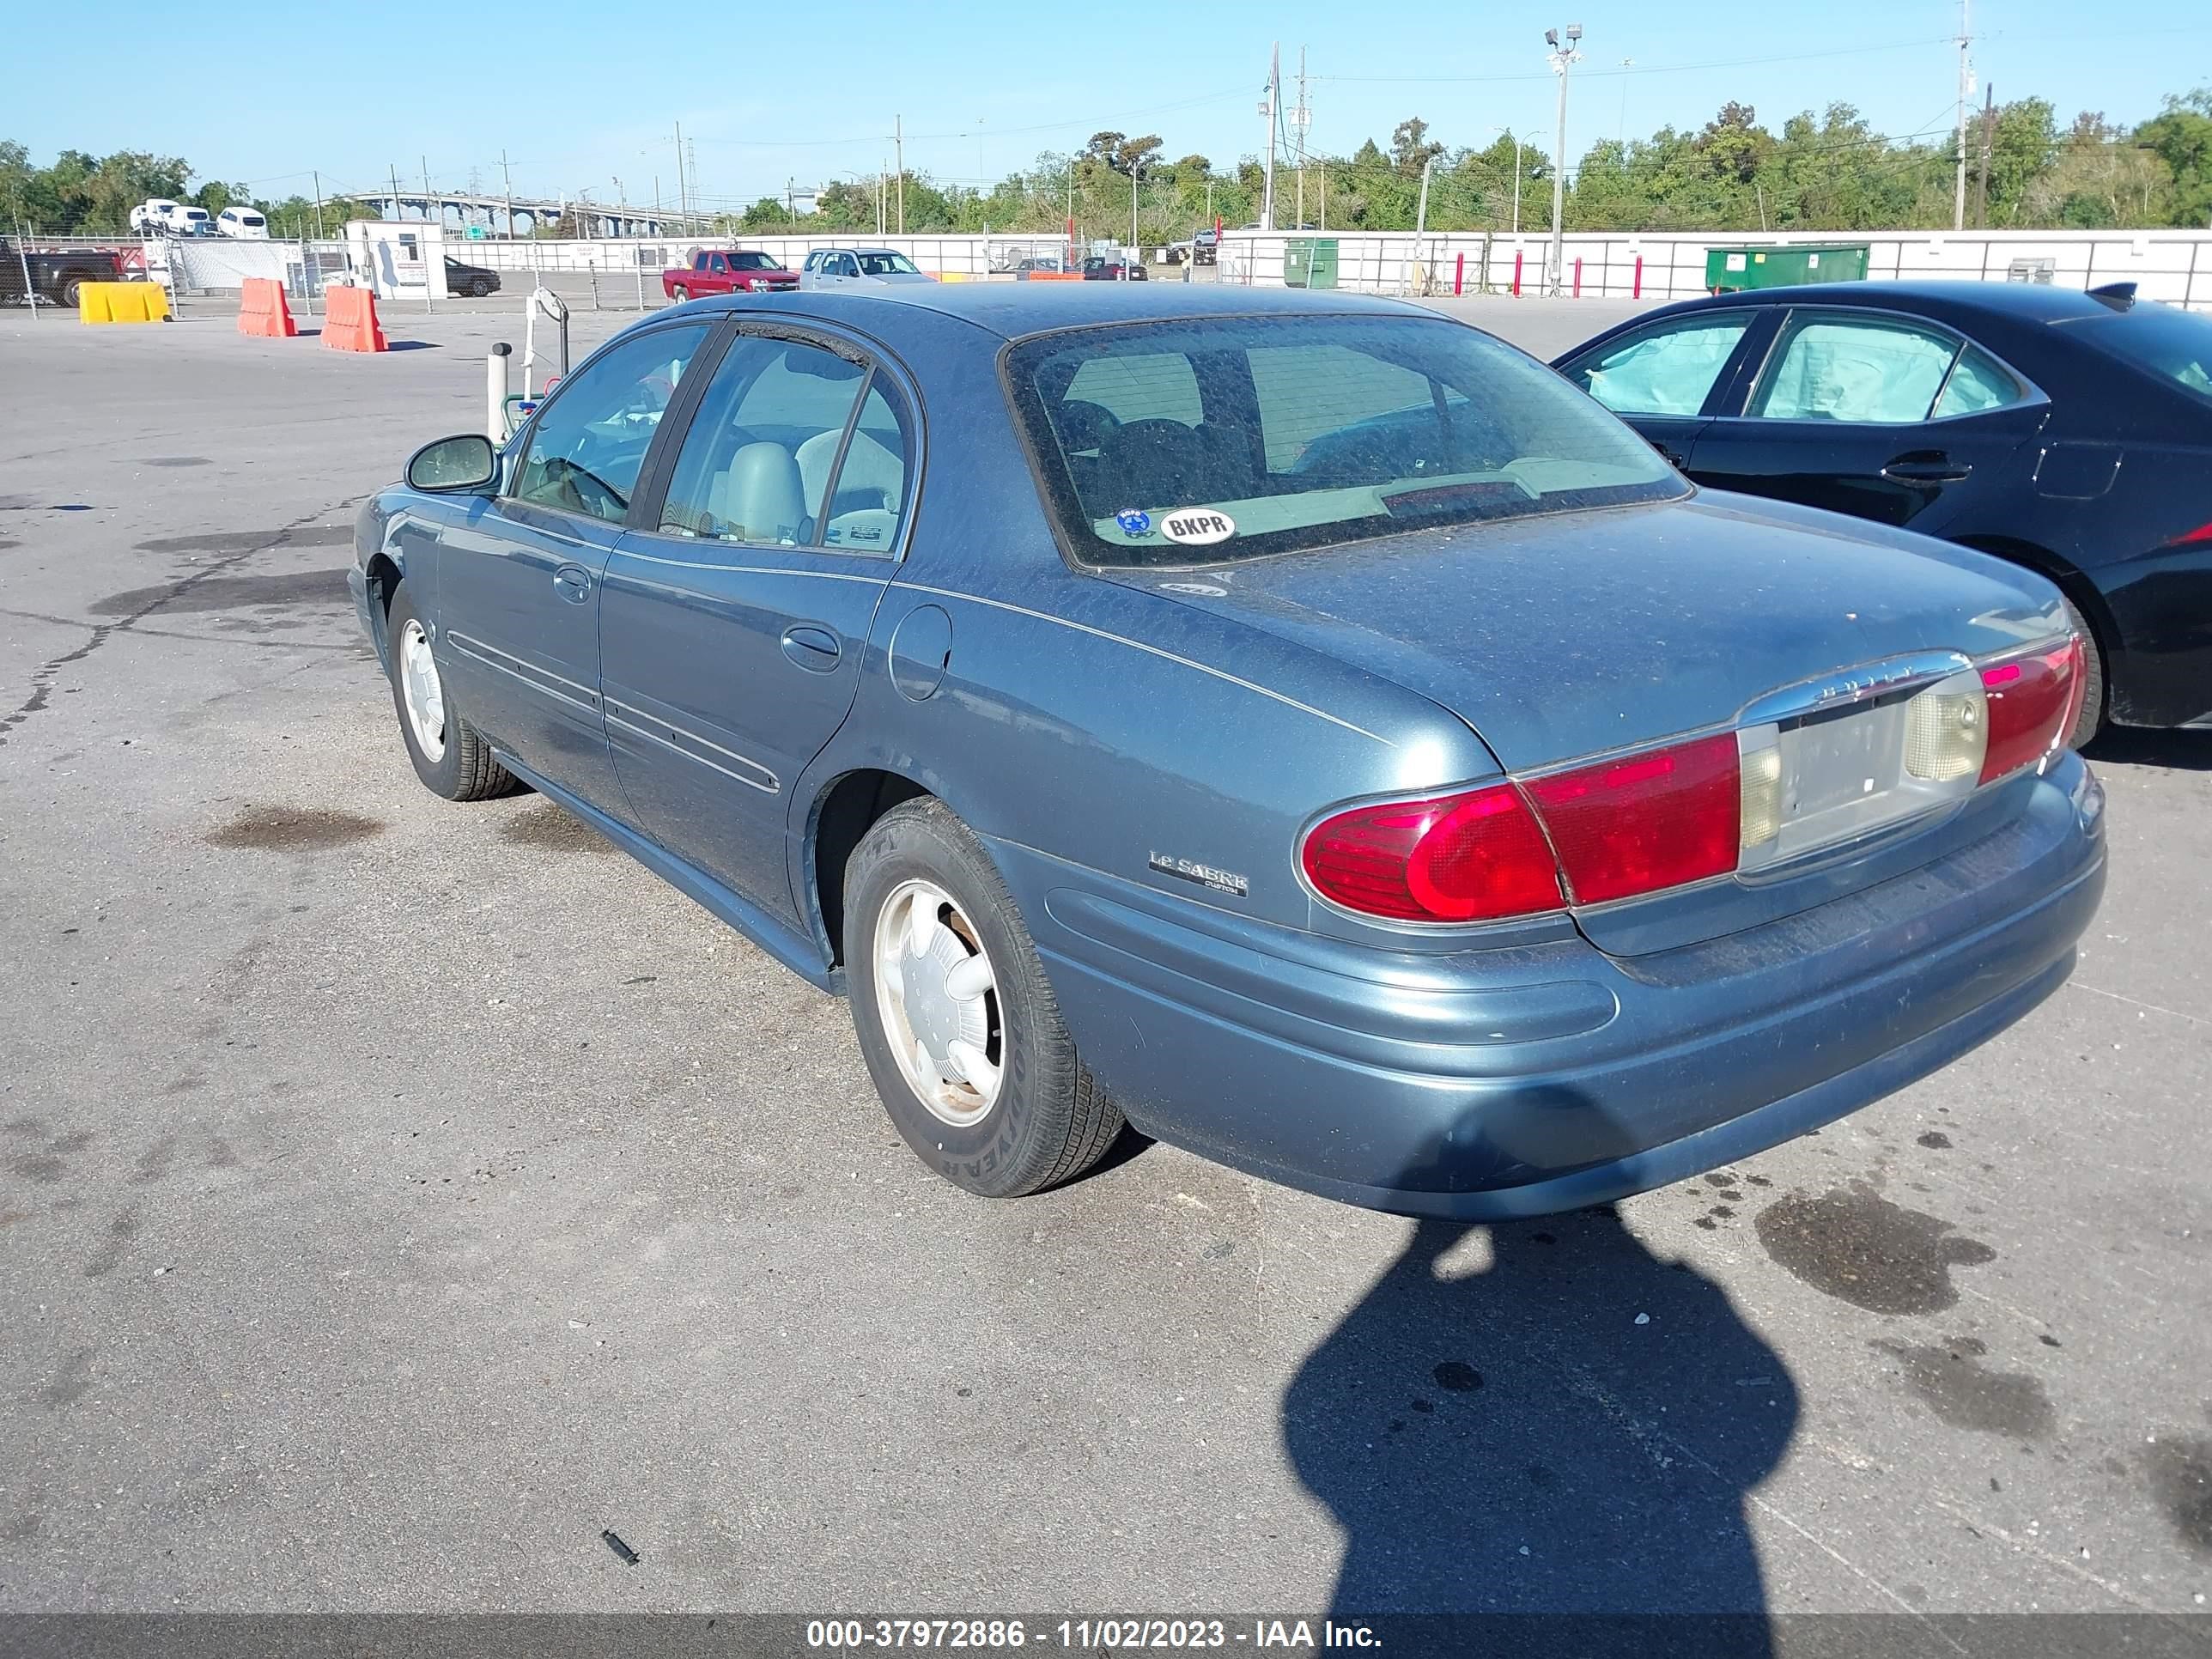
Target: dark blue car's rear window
2174 345
1203 442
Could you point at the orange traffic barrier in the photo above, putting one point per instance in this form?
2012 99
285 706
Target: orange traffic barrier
1054 276
350 320
263 311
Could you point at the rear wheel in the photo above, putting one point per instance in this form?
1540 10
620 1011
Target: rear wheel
956 1021
72 290
2093 698
450 755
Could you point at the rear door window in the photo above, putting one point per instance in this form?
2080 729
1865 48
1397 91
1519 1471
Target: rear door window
1871 371
774 431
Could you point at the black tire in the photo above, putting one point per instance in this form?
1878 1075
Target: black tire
679 294
1050 1120
480 288
467 770
2092 719
72 291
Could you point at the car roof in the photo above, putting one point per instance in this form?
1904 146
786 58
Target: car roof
2024 301
1013 310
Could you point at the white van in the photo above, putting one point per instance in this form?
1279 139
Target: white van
243 222
159 215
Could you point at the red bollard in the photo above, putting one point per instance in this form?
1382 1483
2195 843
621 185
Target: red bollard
1517 256
1578 279
1636 290
1459 275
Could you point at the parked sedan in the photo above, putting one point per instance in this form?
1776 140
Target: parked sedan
859 267
473 279
1310 730
2069 433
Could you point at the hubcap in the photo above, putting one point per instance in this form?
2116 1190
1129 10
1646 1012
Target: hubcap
938 998
422 692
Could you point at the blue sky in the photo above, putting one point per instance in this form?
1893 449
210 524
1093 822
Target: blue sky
580 95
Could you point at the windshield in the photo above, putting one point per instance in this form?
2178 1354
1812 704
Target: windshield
750 261
887 265
2176 345
1205 441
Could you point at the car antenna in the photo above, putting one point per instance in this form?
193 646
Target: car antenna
2119 296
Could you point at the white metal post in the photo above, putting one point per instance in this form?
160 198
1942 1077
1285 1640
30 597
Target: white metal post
496 393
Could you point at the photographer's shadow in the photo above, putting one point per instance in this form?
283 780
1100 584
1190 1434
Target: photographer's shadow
1509 1439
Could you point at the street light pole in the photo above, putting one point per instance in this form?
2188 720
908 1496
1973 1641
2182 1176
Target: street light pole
1134 169
1564 56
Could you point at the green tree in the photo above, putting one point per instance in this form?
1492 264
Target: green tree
2181 136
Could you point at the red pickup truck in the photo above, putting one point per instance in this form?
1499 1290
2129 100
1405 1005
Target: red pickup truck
713 271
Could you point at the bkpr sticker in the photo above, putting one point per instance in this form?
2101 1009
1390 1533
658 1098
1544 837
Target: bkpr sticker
1198 528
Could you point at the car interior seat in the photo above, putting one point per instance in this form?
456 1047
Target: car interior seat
761 497
870 487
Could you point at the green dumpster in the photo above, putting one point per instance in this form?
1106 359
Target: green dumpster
1733 270
1309 262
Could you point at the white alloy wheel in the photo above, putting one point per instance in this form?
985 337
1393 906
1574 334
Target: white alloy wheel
938 995
424 694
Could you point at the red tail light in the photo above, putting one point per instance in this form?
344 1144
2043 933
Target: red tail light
1644 822
1473 857
2034 700
1620 828
2202 533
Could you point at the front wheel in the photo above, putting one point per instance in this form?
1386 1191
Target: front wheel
679 294
480 288
450 755
959 1027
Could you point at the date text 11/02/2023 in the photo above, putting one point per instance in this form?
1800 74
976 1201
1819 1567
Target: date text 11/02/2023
1084 1635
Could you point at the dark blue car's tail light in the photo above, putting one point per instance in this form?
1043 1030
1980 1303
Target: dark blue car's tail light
1473 857
1634 825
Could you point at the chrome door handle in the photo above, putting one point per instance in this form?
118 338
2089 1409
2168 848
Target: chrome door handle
816 649
573 583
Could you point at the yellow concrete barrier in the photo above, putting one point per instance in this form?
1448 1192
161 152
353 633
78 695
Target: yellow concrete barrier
121 302
952 276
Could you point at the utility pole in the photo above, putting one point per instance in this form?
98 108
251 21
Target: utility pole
1421 213
1321 218
622 207
318 207
508 178
395 189
426 192
1301 118
1268 105
1989 143
1516 179
683 193
1134 169
898 147
1564 57
1966 98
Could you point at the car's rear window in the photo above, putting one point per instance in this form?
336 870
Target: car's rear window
1210 441
2174 345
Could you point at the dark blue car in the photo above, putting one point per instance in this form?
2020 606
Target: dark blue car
1307 729
2067 432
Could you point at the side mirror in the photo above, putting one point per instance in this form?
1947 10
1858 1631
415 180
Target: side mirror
454 465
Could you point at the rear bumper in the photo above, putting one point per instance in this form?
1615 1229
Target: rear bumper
1488 1084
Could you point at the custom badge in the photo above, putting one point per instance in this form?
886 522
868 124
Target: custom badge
1134 521
1199 527
1206 875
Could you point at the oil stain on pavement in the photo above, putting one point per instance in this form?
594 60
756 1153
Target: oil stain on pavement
1854 1244
232 593
292 830
1951 1382
553 830
2181 1478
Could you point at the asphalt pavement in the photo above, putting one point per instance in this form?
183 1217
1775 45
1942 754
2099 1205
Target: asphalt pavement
394 1195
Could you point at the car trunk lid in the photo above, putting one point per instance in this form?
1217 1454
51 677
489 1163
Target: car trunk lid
1562 637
